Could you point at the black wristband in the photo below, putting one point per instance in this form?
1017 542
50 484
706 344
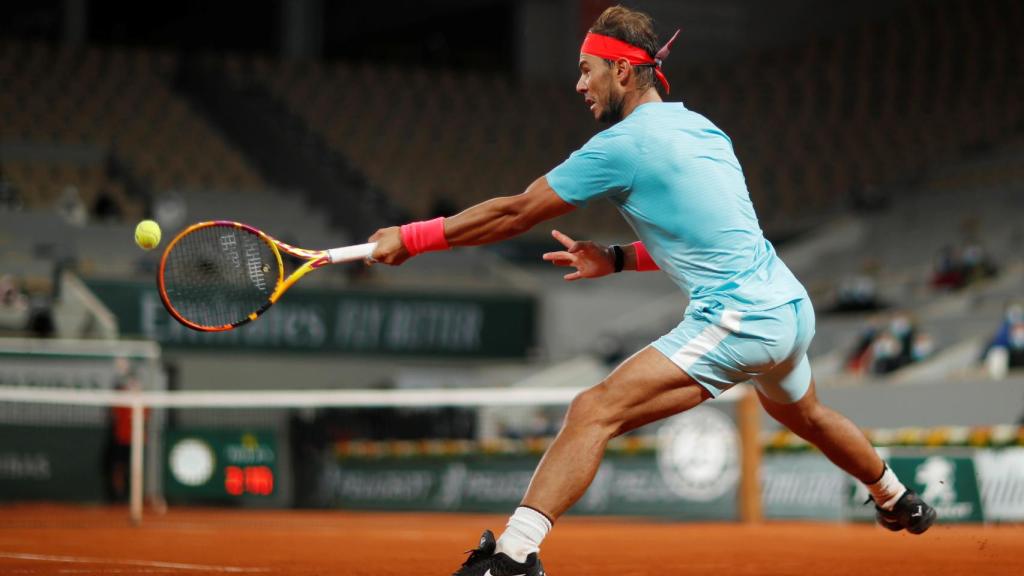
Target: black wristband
620 257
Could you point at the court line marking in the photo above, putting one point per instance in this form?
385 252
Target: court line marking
144 563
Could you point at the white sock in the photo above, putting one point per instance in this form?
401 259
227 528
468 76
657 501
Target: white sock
523 534
888 490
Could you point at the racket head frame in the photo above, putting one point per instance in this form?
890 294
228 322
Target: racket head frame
275 246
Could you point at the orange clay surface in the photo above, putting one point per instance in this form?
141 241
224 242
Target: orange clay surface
56 539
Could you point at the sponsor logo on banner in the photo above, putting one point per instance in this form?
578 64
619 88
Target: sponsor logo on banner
804 485
1001 474
22 466
192 462
937 478
698 454
937 475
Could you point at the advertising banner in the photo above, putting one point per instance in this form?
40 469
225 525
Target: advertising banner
625 485
58 463
692 474
343 321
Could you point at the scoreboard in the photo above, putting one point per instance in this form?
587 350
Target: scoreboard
220 465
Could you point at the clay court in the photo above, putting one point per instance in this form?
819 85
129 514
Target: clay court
83 540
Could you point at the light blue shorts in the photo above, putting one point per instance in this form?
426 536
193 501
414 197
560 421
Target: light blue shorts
720 348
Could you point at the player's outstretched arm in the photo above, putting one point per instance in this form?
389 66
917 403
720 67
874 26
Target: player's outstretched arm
491 221
590 259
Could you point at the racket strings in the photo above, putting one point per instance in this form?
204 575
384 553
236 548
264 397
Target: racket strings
219 275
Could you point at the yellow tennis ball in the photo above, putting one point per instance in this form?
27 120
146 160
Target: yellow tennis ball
147 234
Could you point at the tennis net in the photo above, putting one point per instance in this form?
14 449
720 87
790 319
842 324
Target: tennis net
464 449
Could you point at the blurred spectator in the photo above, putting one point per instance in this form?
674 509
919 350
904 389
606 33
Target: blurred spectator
40 317
976 263
861 354
956 269
170 210
1006 349
14 305
106 208
857 294
881 350
71 207
947 270
119 441
9 197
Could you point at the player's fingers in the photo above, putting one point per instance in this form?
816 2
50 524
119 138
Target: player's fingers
558 257
565 240
574 276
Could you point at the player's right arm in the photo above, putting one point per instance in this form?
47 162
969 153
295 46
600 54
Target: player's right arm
604 166
501 218
490 221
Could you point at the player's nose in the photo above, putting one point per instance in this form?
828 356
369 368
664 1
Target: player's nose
581 86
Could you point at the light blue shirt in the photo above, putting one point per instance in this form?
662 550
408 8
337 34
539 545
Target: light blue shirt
675 178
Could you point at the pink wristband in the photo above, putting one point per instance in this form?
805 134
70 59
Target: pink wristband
644 262
425 236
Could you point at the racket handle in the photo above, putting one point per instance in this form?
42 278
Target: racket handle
351 253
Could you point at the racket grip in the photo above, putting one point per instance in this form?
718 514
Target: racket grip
351 253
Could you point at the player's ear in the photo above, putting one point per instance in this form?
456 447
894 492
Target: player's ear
623 70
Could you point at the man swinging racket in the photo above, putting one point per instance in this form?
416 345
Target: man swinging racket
675 178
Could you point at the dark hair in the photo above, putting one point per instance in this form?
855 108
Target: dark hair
633 27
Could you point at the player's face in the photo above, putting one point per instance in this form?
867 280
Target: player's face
599 89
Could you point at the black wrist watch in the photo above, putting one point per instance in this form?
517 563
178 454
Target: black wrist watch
620 257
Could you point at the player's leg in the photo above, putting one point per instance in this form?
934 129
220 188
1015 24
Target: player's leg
645 388
788 394
836 436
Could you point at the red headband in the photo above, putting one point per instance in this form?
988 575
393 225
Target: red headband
612 49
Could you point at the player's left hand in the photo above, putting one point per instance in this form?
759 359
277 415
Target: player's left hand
590 259
390 249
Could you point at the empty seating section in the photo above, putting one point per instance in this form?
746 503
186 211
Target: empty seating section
813 125
47 182
430 137
119 100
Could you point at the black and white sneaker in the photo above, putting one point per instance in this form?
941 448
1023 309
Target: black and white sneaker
909 512
484 562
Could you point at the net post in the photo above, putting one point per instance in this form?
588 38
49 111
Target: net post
138 423
749 416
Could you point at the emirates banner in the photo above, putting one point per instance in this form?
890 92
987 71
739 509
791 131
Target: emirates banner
345 321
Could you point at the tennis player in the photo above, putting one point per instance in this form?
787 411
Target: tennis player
674 177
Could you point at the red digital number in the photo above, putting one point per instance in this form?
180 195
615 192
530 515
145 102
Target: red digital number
234 480
258 480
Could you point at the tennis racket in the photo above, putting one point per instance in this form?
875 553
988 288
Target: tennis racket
218 275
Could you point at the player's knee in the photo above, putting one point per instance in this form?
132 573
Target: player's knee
593 408
805 421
